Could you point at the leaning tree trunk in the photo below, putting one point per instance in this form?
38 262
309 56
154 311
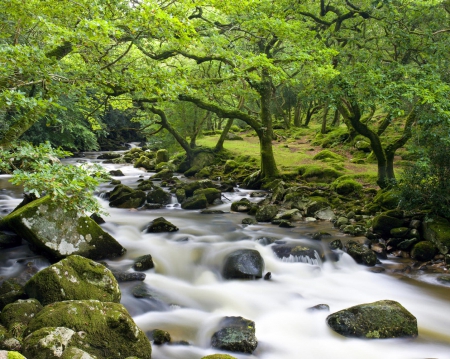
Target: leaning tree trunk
223 135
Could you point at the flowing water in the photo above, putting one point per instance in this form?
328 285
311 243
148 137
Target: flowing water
192 297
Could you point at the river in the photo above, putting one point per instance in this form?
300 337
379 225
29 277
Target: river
194 297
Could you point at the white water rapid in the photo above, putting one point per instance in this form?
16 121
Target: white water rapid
187 278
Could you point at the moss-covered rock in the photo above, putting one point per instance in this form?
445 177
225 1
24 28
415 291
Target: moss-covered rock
424 251
378 320
103 329
318 173
211 194
327 155
180 194
161 225
361 254
160 337
162 156
437 230
145 162
230 166
315 204
143 263
164 174
266 213
237 334
74 278
387 199
133 199
58 234
383 224
158 195
191 187
195 202
16 316
298 253
243 205
10 291
399 232
75 353
346 187
4 354
243 264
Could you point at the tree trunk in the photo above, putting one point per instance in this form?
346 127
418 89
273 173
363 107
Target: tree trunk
268 165
324 119
336 119
298 114
223 135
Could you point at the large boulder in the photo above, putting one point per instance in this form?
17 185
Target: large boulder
158 195
191 187
383 224
437 230
161 224
423 251
237 334
361 254
382 319
266 213
198 201
243 264
59 234
74 278
16 316
211 194
162 156
125 197
102 329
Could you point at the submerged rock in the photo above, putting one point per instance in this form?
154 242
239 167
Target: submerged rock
105 330
236 335
297 254
161 225
160 337
59 234
382 319
243 264
143 263
74 278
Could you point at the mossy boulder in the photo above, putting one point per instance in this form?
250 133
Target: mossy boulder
145 162
162 156
103 329
16 316
378 320
191 187
315 204
387 199
243 264
143 263
346 187
160 337
318 173
10 291
211 194
237 334
161 224
383 224
134 199
158 195
266 213
74 278
437 230
195 202
75 353
327 155
59 234
361 254
164 174
4 354
230 166
243 205
399 232
424 251
296 199
363 146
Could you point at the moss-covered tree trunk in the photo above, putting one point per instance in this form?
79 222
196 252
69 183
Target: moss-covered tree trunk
298 114
268 165
223 135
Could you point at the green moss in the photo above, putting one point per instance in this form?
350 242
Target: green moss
423 251
15 355
102 329
346 186
313 173
387 199
17 315
327 155
211 194
437 230
74 278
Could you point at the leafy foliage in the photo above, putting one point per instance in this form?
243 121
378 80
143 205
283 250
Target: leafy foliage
39 170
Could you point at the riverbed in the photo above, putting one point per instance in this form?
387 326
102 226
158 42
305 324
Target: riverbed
192 297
